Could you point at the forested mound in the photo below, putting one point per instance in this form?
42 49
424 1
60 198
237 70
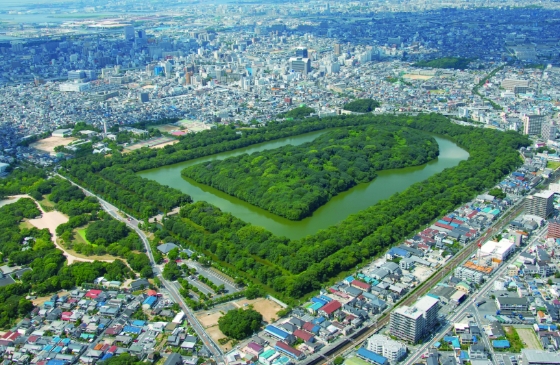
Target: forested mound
293 181
292 269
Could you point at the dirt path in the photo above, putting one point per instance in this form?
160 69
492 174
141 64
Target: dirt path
51 220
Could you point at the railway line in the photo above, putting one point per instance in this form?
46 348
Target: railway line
358 337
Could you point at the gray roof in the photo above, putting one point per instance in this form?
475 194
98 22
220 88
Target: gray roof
174 359
540 357
512 301
166 247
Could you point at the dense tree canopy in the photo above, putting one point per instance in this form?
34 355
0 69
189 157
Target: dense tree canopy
106 232
294 268
445 62
362 105
240 323
299 112
293 181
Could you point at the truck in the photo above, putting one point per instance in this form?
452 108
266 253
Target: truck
498 312
478 304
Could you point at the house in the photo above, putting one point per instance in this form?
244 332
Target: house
139 284
330 308
166 247
174 359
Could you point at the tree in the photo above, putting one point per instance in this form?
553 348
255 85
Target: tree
338 360
171 271
239 323
362 105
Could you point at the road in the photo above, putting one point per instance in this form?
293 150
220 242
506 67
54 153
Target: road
469 306
171 289
347 344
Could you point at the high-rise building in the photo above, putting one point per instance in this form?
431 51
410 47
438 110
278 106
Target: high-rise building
540 204
554 228
302 52
548 131
337 49
144 97
299 64
76 75
532 124
383 345
413 323
129 34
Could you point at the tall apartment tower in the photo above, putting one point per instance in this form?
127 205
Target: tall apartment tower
337 49
554 228
129 34
302 52
548 131
532 124
413 323
540 204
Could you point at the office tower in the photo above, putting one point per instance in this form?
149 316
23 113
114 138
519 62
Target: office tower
540 204
548 132
141 33
301 65
144 97
413 323
302 52
76 75
337 49
91 75
532 124
129 33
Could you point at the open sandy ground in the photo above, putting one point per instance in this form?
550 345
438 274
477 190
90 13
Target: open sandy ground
417 77
48 144
51 220
165 127
529 338
209 319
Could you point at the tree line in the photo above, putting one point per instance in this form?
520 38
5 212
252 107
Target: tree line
362 105
293 181
291 269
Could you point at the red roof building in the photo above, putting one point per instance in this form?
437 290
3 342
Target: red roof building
288 350
329 308
308 326
93 293
306 336
360 285
151 293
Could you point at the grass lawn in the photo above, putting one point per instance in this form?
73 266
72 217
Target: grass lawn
47 205
81 236
552 165
25 224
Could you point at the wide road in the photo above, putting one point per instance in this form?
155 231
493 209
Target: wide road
171 289
469 304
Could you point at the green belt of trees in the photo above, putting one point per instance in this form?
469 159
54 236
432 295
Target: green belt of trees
295 268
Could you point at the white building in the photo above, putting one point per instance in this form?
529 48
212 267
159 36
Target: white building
74 86
384 346
498 250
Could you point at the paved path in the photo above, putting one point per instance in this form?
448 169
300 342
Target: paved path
52 228
171 289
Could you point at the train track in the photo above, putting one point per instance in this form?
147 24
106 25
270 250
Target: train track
358 337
